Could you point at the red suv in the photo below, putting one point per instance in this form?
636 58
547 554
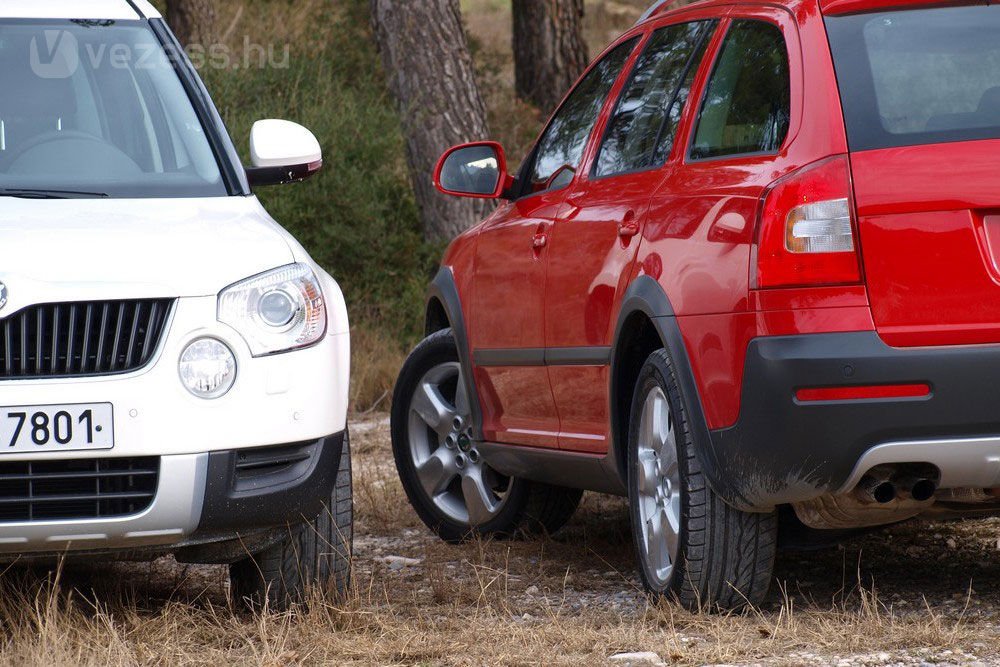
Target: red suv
751 267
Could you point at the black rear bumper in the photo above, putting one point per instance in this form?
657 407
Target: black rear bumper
783 451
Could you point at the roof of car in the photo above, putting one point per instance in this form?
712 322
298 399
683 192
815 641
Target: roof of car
77 9
662 7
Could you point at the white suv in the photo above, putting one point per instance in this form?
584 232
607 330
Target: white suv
173 365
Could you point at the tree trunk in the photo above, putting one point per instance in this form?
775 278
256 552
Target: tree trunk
549 49
193 21
429 70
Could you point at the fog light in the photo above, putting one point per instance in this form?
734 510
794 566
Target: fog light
207 368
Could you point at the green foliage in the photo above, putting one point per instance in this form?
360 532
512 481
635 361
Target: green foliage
357 217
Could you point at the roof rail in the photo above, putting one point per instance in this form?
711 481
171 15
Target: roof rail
655 7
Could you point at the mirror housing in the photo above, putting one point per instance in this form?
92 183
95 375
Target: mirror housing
477 170
282 152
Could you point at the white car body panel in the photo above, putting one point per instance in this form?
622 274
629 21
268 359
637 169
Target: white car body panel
75 9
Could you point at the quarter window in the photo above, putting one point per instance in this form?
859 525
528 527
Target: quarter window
560 149
641 133
747 103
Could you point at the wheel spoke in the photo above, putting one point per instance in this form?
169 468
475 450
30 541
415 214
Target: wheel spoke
648 478
654 542
672 528
433 408
437 472
478 499
661 421
462 405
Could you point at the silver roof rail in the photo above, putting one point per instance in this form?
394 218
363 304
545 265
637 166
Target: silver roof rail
656 6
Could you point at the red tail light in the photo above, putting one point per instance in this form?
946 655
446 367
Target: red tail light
807 235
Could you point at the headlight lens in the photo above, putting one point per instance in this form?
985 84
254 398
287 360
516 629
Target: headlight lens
276 311
207 368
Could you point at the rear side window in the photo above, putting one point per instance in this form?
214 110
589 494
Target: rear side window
641 132
918 76
747 103
560 149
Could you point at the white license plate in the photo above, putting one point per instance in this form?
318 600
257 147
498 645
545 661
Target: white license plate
56 428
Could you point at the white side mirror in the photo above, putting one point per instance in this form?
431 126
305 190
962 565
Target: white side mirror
282 152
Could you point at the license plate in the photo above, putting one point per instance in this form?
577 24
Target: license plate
52 428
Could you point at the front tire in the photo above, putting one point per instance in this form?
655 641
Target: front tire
454 492
691 546
314 555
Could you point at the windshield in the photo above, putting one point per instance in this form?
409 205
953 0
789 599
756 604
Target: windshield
96 108
918 76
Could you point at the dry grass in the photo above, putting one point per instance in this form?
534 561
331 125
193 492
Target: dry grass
572 600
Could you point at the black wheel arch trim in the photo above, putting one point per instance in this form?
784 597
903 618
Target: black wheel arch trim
646 296
444 290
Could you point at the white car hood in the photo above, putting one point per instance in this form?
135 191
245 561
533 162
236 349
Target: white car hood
91 249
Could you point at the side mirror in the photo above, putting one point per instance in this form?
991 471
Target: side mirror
282 152
477 170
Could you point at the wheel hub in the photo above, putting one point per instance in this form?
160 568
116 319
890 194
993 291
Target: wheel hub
657 474
448 464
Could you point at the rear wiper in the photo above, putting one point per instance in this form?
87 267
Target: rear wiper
50 194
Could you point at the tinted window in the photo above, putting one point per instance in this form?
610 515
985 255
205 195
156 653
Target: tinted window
99 108
918 76
747 102
642 130
561 147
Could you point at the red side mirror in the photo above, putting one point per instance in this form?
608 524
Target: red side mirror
477 170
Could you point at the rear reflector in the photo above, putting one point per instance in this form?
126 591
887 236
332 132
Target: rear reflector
862 393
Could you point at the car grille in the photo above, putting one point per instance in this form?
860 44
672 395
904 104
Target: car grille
80 339
78 489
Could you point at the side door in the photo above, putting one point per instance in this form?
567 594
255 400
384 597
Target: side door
507 324
594 242
700 237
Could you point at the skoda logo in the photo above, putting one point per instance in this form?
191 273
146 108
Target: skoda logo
3 295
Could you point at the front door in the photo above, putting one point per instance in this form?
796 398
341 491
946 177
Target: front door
507 316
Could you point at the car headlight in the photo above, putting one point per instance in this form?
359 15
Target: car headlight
277 311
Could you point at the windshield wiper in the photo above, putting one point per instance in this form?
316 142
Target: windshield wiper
23 193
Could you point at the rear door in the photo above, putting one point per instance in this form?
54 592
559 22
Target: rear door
921 96
593 244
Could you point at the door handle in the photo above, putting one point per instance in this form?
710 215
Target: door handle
541 240
629 226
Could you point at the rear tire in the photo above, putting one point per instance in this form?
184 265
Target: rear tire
691 545
314 555
454 492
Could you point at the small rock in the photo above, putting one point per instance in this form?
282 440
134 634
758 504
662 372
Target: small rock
397 563
646 659
952 544
532 590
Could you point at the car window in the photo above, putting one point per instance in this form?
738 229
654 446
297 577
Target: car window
560 149
747 102
641 132
105 112
918 76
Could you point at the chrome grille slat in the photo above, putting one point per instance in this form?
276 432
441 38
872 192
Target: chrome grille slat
80 339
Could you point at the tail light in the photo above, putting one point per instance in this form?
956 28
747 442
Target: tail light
807 235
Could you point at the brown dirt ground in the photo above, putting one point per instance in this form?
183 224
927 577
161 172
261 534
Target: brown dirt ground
922 593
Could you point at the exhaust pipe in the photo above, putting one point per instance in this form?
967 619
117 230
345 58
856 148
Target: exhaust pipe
920 489
874 489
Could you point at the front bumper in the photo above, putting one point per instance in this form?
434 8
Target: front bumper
785 451
201 499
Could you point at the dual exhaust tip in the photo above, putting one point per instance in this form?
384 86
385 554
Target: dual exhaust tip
882 489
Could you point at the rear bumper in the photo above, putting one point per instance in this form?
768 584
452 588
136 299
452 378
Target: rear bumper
785 451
